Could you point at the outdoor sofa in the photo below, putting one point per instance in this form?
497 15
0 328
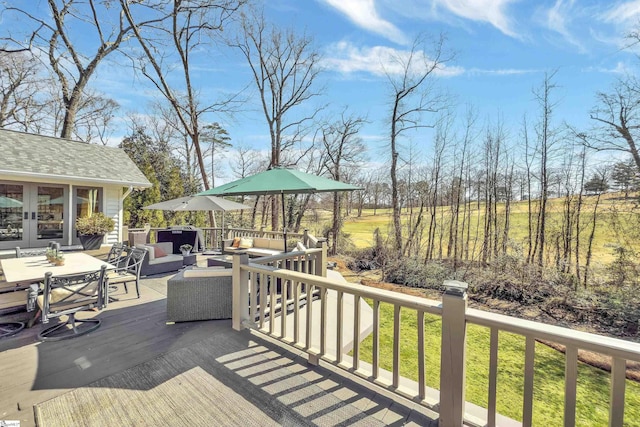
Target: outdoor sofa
200 294
160 259
254 246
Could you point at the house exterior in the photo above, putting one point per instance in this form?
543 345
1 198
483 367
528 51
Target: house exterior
46 183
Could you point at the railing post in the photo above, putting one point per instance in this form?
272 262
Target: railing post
452 361
240 285
321 264
305 238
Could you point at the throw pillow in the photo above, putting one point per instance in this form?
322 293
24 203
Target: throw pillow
236 242
245 243
159 252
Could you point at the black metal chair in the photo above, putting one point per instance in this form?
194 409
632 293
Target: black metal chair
116 254
130 270
65 296
20 253
10 328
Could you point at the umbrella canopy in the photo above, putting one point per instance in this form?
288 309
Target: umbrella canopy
279 181
8 202
198 203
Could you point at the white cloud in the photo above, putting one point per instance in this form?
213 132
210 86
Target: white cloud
364 14
502 71
627 12
493 12
346 58
620 68
558 19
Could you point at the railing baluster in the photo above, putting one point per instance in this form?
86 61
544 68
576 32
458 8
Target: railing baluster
263 297
376 340
309 316
339 327
396 345
254 296
493 377
570 385
529 358
273 293
618 376
356 332
284 297
323 321
421 356
296 312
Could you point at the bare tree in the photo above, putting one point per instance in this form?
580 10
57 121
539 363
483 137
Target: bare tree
412 95
67 51
179 29
546 140
342 149
19 88
618 119
285 68
600 176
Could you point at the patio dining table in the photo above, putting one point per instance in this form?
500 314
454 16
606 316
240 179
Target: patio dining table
33 269
27 270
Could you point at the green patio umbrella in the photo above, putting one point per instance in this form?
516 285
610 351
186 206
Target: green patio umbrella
279 181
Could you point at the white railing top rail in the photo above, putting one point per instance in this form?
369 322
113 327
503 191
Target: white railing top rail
382 295
586 341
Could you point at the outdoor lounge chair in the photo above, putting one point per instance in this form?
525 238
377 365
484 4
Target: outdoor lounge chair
65 296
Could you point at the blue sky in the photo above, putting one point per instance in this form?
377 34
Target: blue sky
503 49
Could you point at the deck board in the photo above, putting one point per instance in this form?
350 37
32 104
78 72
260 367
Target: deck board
134 333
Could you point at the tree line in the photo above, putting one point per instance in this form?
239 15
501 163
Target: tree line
450 187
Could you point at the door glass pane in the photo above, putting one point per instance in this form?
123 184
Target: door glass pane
50 210
11 200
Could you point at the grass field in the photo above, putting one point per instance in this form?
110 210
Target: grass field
593 383
617 224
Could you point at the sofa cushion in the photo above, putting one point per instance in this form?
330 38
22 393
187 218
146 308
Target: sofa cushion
263 252
275 244
207 272
167 259
159 251
260 242
245 243
151 251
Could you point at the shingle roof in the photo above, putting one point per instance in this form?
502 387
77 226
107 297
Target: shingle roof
27 155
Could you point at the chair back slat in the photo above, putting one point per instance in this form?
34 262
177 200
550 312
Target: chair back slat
73 292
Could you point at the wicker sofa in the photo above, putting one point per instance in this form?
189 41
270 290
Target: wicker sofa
258 246
153 264
199 294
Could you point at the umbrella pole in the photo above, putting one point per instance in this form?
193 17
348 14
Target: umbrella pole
284 223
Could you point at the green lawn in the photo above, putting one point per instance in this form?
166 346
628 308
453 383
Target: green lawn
614 214
593 383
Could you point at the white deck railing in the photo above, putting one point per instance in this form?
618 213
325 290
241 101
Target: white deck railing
280 305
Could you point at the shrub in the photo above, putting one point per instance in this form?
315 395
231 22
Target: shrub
415 273
98 223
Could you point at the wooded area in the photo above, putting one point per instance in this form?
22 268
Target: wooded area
451 192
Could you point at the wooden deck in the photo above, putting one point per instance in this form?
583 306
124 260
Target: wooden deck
275 381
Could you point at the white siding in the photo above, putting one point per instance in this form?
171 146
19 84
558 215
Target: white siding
113 209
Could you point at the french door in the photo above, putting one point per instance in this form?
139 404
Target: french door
32 214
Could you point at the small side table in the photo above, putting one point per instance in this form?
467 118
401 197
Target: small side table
225 261
189 259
